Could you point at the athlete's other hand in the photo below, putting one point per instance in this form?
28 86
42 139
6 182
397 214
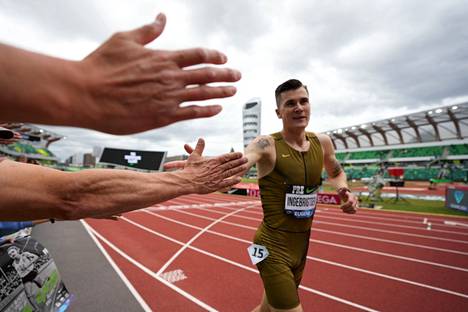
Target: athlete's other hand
350 203
130 88
209 174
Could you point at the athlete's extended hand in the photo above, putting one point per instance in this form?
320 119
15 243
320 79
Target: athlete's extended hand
130 88
209 174
350 202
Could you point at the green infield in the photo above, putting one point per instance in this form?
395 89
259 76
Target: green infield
416 205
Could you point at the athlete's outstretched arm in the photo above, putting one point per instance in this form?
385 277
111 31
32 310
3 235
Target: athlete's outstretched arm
31 192
121 88
336 175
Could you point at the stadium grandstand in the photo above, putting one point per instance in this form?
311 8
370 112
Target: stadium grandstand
430 144
33 145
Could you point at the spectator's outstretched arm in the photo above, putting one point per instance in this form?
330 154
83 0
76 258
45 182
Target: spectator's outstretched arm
120 88
33 192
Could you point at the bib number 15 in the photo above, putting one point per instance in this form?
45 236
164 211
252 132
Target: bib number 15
257 253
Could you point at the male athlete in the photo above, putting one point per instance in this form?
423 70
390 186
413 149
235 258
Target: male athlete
289 165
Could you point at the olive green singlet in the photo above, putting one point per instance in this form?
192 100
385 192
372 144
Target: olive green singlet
294 168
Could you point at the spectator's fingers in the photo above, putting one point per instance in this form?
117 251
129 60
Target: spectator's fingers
227 183
195 111
195 56
209 75
177 164
147 33
228 157
188 149
232 164
199 148
202 93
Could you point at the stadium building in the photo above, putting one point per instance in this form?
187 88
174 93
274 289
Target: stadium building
251 120
430 144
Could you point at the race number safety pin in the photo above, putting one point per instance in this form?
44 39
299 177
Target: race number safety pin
257 253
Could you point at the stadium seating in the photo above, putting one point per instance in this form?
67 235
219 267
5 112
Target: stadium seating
29 149
367 155
418 152
341 156
461 149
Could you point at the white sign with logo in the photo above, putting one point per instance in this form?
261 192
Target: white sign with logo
132 159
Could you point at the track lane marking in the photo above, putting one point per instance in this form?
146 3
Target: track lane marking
239 265
152 274
329 262
122 276
354 219
187 244
376 230
343 246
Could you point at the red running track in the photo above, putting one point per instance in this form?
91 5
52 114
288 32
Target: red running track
190 254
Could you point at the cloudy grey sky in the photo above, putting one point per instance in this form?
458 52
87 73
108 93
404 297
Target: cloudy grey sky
362 60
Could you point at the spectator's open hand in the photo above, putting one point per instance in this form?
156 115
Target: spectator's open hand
132 88
209 174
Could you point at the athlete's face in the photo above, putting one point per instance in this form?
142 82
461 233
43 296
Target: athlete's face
294 108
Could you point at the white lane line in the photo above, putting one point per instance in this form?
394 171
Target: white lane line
127 283
239 265
342 246
315 229
391 277
356 218
378 230
328 262
393 232
186 245
453 223
152 274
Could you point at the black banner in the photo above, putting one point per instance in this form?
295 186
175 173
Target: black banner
147 160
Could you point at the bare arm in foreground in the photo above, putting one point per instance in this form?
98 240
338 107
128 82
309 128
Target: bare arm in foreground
31 192
121 88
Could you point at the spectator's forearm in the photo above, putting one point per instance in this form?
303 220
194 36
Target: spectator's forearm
38 88
100 193
33 192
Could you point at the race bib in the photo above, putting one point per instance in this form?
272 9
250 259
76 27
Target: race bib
257 253
300 201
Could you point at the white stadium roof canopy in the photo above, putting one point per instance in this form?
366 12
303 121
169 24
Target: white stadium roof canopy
446 124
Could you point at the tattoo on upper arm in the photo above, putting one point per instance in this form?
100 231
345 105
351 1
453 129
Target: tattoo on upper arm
262 143
336 169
